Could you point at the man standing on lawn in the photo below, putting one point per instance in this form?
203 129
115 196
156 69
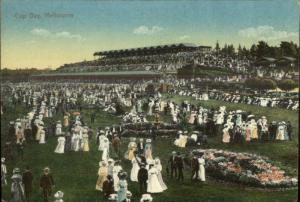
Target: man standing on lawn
27 181
46 183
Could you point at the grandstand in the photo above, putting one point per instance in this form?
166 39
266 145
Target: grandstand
146 62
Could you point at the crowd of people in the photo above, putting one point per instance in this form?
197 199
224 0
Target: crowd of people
50 100
263 100
160 62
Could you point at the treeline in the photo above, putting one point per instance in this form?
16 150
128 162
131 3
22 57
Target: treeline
19 74
269 84
261 49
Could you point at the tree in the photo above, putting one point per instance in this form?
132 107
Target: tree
240 50
245 52
268 84
253 50
288 49
217 47
225 50
231 50
253 83
262 49
287 84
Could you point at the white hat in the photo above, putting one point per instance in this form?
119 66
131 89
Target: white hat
2 160
16 170
59 195
179 132
148 140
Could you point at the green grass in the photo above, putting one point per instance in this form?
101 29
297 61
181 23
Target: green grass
75 173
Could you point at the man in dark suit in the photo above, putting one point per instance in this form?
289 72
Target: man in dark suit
195 167
141 146
108 187
173 164
142 178
27 181
179 165
46 183
289 130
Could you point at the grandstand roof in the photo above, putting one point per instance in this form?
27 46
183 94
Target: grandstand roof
167 46
118 73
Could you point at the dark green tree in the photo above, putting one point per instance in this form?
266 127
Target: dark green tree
287 84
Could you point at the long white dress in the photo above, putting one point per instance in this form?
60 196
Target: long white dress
280 133
42 137
153 183
101 142
76 142
201 169
181 141
60 148
105 153
159 176
116 170
134 170
58 129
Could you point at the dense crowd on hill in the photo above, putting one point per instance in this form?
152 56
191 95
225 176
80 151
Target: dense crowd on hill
168 61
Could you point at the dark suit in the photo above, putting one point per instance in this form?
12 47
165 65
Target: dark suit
179 165
141 147
142 178
46 183
173 166
195 167
27 181
108 188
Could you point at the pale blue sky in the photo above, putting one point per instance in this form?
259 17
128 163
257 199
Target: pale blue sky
103 25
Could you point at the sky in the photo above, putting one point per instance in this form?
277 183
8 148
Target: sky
50 33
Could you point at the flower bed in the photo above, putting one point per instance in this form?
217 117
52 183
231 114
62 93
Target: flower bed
245 168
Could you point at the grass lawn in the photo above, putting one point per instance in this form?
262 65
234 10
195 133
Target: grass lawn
75 173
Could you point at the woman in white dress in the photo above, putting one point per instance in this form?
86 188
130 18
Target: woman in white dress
105 153
85 139
150 105
134 170
58 128
159 176
280 132
153 185
201 168
226 136
192 117
73 140
181 141
148 150
101 142
76 142
117 168
42 137
60 148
